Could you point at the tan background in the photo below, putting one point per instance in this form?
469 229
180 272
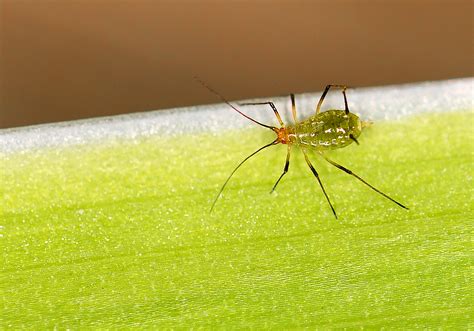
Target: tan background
63 60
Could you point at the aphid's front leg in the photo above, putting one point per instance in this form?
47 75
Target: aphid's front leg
265 103
326 90
293 107
362 180
285 169
315 173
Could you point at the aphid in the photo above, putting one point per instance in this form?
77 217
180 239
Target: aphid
323 131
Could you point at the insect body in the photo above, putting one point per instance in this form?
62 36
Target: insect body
323 131
328 130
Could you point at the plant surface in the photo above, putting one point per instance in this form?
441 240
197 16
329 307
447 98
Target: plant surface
118 234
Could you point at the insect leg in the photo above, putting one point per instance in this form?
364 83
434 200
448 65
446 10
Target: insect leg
293 106
362 180
326 90
265 103
315 173
285 169
231 106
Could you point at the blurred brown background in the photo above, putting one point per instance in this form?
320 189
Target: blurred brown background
63 60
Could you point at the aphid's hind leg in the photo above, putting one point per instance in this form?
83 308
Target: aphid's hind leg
326 90
285 169
265 103
315 173
362 180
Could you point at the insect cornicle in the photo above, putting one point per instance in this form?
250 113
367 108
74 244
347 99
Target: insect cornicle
323 131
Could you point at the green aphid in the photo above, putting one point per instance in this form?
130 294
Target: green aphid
323 131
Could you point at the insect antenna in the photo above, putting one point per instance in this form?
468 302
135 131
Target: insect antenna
230 105
232 173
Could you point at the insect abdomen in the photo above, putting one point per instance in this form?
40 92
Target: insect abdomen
328 130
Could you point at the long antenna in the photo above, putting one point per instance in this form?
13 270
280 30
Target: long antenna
230 105
232 173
